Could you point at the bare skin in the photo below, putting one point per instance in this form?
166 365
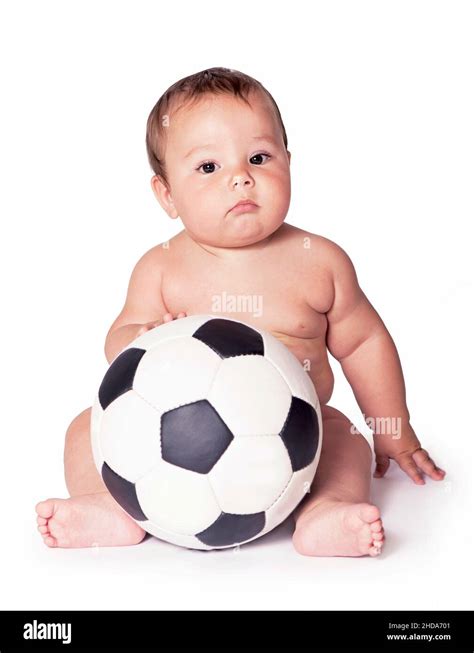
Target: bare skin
310 299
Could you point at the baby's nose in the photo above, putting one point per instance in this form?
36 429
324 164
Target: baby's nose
242 181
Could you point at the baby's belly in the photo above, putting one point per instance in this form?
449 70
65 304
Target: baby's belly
312 354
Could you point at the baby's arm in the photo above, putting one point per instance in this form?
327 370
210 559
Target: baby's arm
360 341
144 306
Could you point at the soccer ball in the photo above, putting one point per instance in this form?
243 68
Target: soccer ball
207 432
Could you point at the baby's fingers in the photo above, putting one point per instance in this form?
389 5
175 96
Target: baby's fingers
168 317
427 465
408 465
381 465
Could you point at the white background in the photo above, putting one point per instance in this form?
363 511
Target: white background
377 98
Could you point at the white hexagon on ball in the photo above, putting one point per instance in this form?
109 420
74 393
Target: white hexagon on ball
251 474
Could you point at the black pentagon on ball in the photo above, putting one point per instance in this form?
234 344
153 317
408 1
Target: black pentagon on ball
194 436
229 529
119 377
124 492
229 338
300 433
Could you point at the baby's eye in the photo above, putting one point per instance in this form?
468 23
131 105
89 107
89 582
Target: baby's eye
208 167
259 155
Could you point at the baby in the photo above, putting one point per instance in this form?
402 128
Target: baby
218 148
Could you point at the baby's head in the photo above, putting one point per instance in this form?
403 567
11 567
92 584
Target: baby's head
213 139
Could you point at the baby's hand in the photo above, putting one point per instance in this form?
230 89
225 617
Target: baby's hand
408 454
167 317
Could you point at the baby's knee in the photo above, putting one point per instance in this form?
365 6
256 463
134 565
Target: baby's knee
336 424
364 446
79 424
329 412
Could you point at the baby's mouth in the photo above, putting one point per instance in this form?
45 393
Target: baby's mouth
244 207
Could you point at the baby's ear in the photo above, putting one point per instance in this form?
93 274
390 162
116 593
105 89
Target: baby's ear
162 193
289 156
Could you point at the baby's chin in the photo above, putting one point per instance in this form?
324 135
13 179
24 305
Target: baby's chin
244 230
242 239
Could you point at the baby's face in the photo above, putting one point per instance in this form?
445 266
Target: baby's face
218 152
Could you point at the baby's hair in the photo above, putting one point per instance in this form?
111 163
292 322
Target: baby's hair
215 81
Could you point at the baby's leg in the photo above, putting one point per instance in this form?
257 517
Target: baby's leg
91 517
336 518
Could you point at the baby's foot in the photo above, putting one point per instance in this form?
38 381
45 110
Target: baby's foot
339 528
87 520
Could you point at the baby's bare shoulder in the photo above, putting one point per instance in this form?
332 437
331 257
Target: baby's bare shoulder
160 256
318 264
314 250
144 301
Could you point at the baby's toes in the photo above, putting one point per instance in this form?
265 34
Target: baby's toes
364 537
376 526
365 540
45 509
48 538
378 540
375 550
369 513
54 535
378 537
